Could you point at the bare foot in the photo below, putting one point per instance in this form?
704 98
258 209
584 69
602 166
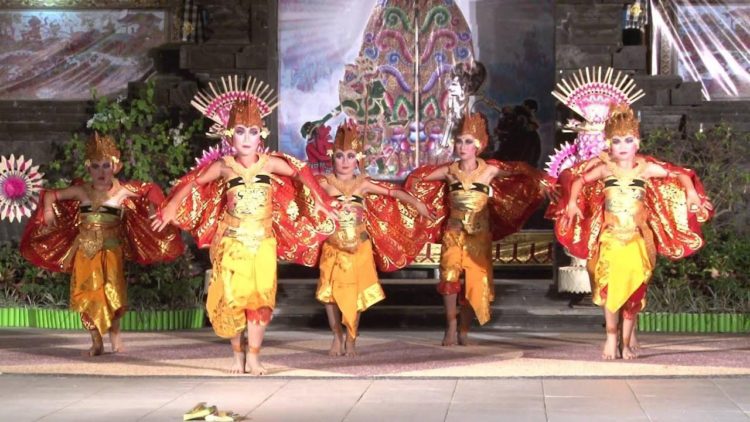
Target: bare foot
634 344
351 348
115 339
97 345
450 335
337 346
253 365
93 351
610 347
628 353
463 339
238 363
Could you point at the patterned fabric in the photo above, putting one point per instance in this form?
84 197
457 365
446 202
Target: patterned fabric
298 230
677 232
349 280
53 248
514 198
97 288
471 255
242 280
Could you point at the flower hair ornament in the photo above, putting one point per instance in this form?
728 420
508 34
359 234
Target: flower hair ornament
232 102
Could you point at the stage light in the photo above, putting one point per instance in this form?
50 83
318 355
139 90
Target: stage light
708 40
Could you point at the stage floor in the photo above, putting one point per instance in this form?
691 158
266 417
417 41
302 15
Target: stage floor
390 354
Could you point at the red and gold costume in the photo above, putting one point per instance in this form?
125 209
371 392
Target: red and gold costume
250 220
471 215
91 241
372 229
626 220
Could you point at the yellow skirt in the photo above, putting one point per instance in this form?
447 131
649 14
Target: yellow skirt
97 287
349 280
470 254
242 282
618 269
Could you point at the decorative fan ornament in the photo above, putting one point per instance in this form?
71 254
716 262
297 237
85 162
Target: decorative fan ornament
20 183
564 157
216 103
591 95
255 96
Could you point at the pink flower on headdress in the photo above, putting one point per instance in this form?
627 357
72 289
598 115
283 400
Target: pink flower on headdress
213 153
20 183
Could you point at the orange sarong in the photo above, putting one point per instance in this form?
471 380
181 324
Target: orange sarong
349 280
97 287
470 254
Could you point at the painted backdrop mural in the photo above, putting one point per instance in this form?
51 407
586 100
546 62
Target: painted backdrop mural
64 54
363 67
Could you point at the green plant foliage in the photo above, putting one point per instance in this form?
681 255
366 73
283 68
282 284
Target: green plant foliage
153 147
23 284
716 278
173 285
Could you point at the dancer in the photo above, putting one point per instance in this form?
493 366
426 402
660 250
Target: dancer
89 229
486 201
618 211
248 209
373 226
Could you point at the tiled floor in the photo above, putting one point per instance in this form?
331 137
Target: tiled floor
113 399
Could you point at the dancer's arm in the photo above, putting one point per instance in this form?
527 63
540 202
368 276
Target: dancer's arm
302 173
401 195
571 209
53 195
169 211
694 201
438 175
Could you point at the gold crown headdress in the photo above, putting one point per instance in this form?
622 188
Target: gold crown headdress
475 125
245 113
102 147
235 103
621 122
348 138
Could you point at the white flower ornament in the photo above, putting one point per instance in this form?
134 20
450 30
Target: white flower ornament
20 183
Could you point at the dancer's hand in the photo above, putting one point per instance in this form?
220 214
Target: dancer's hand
425 212
694 202
50 219
163 218
550 191
571 211
331 213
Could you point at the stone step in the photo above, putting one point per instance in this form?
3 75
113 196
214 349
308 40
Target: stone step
424 294
551 318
